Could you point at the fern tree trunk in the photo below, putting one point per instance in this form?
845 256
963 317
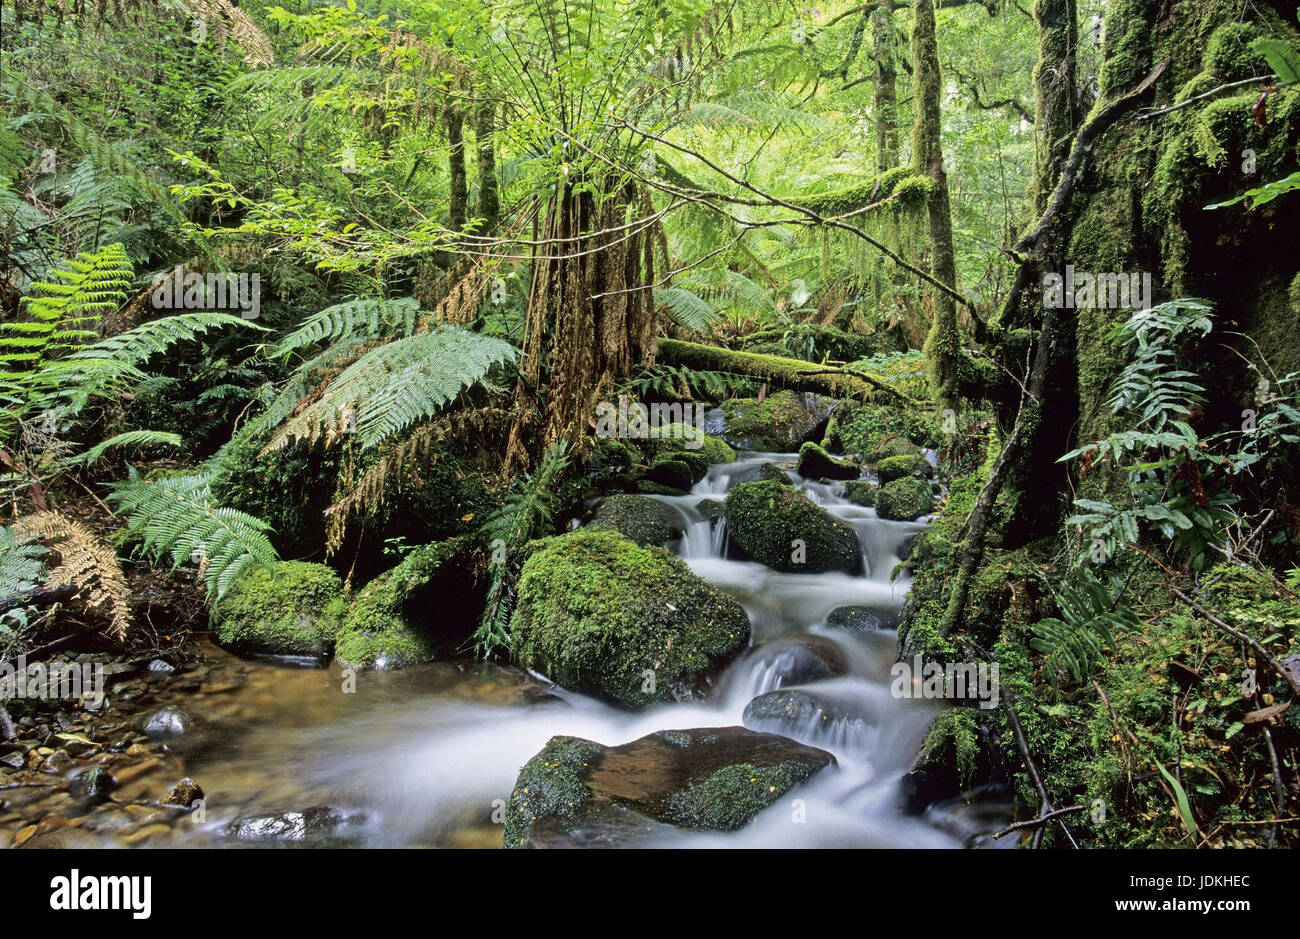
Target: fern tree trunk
943 344
459 198
590 312
489 193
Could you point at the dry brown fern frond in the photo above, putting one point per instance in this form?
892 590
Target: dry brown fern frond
404 459
86 562
227 20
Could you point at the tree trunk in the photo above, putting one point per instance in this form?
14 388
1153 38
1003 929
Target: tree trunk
489 198
886 103
943 346
1055 112
459 201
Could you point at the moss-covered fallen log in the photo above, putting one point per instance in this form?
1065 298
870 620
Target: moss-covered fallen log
776 370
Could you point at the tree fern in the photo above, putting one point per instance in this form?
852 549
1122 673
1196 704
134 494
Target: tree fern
22 572
178 518
130 438
396 385
686 309
367 319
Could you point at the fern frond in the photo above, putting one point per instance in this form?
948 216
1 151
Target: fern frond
397 385
85 562
364 319
130 438
179 518
686 309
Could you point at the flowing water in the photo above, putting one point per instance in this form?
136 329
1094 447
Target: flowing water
421 756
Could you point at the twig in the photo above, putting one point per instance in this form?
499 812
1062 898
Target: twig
1146 115
1038 821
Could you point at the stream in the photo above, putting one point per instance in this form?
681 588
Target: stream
420 756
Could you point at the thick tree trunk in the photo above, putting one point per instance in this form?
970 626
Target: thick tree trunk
459 199
489 197
1055 112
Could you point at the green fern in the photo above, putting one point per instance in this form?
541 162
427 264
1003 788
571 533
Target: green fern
527 513
178 518
1077 642
367 319
130 438
397 385
686 309
22 571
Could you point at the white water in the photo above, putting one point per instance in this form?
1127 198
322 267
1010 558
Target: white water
422 768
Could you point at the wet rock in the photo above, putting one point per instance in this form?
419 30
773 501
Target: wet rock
160 666
799 660
904 500
93 786
293 608
171 723
319 826
816 463
642 519
780 423
779 526
897 467
598 614
861 492
577 793
12 762
57 762
773 472
184 794
673 473
861 619
711 509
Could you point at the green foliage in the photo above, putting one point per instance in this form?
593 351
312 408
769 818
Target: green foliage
22 570
1075 644
177 519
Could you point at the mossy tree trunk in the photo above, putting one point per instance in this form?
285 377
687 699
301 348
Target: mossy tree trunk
886 91
459 198
489 193
1055 83
943 344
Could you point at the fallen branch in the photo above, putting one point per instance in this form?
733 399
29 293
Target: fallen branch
1033 822
792 374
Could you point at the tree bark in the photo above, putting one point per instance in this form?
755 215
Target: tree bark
489 194
886 99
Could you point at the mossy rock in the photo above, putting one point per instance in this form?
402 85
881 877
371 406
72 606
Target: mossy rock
887 445
779 423
771 472
861 492
613 453
711 509
904 500
687 438
388 624
595 612
640 518
896 467
292 608
671 472
578 793
816 463
649 487
766 519
1228 55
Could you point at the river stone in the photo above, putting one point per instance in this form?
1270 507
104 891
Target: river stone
779 423
904 500
860 492
319 825
292 608
184 794
600 615
644 520
767 519
860 619
578 793
897 467
800 660
171 722
93 786
816 463
773 472
820 715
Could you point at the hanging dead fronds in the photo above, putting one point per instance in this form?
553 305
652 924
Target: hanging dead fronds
225 20
85 562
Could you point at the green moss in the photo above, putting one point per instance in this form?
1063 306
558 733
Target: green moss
376 631
650 487
953 740
671 472
861 492
293 608
730 798
898 188
896 467
770 472
595 612
904 500
1228 55
769 520
674 438
551 783
816 463
778 423
645 521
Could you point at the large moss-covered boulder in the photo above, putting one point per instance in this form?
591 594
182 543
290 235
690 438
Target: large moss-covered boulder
860 492
779 526
779 423
291 608
644 520
424 606
578 793
896 467
904 500
816 463
672 472
687 438
599 614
